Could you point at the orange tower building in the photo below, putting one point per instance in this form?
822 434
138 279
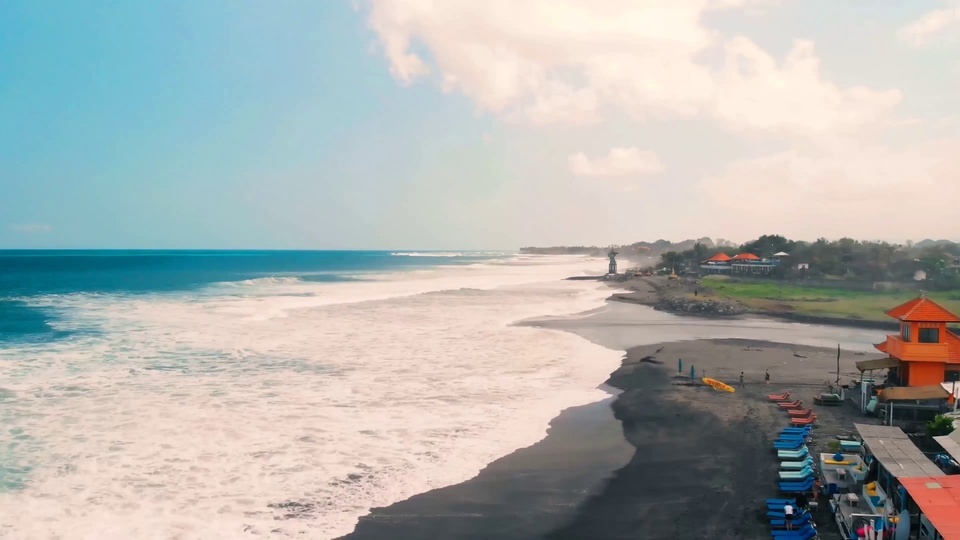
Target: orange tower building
929 353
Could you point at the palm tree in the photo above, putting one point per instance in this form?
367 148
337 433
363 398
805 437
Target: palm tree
699 252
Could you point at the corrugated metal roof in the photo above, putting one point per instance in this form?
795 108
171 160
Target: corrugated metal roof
951 444
896 452
913 393
939 500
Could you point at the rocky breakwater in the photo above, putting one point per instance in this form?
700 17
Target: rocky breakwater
695 306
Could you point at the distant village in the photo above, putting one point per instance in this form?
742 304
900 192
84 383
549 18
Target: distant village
936 262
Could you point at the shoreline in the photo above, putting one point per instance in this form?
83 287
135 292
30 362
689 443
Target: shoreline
647 460
525 494
644 291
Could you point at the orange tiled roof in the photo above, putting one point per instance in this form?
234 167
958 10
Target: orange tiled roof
939 500
953 343
882 347
719 257
922 309
745 257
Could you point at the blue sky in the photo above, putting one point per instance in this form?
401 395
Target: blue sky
455 125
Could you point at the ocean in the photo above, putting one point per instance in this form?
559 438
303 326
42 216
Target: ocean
249 394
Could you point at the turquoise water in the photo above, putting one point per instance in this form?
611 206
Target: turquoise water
26 275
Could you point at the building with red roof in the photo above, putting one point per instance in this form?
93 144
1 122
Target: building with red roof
938 501
927 352
741 263
718 258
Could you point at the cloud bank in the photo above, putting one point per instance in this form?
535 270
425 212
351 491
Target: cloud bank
583 64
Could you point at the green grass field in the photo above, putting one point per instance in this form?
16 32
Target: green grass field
820 301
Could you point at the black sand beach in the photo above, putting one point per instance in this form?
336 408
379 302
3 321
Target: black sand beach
521 496
699 463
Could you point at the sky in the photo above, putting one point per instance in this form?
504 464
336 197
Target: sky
461 124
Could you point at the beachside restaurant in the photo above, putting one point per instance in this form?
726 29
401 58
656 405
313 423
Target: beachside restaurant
865 490
741 263
874 492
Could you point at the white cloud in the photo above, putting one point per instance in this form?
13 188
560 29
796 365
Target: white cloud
755 92
874 191
578 61
618 162
586 62
930 26
31 228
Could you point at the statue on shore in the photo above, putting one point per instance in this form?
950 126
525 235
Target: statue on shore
612 269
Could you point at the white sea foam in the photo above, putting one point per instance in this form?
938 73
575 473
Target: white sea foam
194 415
447 253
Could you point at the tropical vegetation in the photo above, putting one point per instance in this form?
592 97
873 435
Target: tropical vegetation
939 261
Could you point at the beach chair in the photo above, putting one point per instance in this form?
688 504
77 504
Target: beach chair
793 454
795 485
796 465
800 473
808 421
791 404
807 532
779 397
781 502
797 476
794 429
799 413
804 486
791 437
790 444
777 513
850 446
832 400
781 523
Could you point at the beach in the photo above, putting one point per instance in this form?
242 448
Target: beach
378 395
697 463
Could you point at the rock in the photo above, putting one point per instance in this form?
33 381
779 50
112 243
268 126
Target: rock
678 304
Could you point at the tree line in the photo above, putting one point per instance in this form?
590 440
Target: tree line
844 258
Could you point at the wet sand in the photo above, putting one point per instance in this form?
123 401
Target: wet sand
521 496
671 461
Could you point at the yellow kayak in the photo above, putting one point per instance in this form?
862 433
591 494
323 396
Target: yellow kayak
717 385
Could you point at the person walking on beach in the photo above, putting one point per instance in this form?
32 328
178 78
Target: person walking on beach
766 377
741 380
788 516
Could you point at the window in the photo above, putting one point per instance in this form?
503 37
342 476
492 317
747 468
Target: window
929 335
905 333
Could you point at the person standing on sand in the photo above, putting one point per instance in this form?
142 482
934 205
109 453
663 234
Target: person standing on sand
741 380
788 516
766 377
